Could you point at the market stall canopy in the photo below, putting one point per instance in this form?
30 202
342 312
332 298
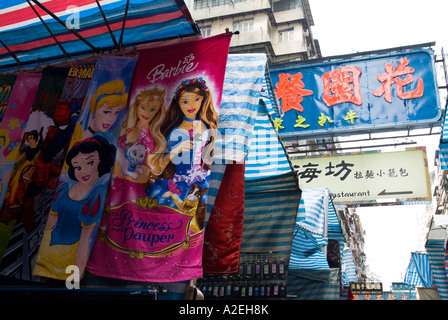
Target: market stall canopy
37 31
419 271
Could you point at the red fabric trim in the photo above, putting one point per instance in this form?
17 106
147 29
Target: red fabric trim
224 230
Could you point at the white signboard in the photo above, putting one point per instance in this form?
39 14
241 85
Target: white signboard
368 176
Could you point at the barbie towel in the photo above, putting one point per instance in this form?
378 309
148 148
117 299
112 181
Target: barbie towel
154 231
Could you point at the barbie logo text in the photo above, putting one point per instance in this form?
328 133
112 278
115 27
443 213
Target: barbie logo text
160 72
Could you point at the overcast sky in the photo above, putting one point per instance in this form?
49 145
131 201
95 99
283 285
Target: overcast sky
349 26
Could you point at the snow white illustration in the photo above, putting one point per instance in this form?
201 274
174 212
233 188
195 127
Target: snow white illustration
76 211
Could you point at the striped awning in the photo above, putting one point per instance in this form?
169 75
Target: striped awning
267 156
419 271
348 269
443 155
444 135
35 31
436 252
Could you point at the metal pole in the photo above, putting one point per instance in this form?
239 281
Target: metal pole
326 199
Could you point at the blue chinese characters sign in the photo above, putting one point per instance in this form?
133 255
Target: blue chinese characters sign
395 90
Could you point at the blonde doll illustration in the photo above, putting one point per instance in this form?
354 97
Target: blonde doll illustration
100 118
76 211
141 144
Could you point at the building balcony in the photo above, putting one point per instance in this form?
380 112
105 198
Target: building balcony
239 8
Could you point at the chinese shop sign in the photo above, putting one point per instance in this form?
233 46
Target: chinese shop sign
368 176
372 288
349 95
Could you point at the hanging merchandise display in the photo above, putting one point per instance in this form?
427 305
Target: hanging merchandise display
237 117
80 196
48 164
259 276
155 230
40 118
11 128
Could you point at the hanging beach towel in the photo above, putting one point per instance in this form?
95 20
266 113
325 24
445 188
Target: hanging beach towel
225 209
11 127
39 119
155 231
48 163
79 200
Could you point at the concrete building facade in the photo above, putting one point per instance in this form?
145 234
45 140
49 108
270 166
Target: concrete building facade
279 28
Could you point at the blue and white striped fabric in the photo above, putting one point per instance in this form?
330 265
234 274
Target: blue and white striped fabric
348 270
443 155
243 83
313 228
444 135
267 156
436 254
307 251
241 94
443 146
311 211
419 271
270 211
314 285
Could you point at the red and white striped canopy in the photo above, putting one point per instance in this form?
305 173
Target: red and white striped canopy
34 31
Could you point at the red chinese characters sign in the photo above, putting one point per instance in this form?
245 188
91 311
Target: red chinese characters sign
291 90
393 90
342 85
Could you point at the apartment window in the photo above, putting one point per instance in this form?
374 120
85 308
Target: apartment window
286 35
204 4
284 5
206 30
243 26
200 4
